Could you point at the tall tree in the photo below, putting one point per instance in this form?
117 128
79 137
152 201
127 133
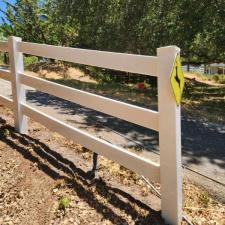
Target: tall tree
197 27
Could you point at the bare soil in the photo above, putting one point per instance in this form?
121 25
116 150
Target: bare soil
58 71
39 169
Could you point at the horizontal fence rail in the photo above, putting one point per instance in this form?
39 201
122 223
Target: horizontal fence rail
116 61
6 101
166 120
4 46
117 154
5 74
131 113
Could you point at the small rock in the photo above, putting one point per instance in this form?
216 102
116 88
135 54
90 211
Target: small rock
20 194
71 220
10 222
55 190
17 220
7 218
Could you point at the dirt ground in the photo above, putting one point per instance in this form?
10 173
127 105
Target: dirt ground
59 71
194 76
41 170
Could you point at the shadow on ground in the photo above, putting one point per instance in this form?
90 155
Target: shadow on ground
52 163
200 141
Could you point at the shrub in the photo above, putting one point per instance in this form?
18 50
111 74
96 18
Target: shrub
222 79
28 60
216 78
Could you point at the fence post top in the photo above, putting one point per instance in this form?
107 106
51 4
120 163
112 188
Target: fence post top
173 49
167 56
14 38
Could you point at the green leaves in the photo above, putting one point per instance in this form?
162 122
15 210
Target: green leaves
140 27
64 203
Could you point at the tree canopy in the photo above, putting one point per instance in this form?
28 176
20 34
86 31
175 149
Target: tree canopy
140 27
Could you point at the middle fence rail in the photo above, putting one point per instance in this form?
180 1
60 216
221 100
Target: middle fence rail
147 65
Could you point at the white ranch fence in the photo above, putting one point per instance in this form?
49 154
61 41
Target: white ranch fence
166 120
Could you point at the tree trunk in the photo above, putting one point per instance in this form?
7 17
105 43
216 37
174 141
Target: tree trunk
188 66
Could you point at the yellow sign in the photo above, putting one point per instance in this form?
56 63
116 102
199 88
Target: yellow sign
177 80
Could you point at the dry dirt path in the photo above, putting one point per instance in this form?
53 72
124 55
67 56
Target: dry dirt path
38 170
201 80
203 144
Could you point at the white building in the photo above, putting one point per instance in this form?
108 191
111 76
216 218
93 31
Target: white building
215 68
194 68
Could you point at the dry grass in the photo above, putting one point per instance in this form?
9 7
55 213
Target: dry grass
198 205
201 207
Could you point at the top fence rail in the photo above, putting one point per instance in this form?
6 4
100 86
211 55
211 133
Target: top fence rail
140 64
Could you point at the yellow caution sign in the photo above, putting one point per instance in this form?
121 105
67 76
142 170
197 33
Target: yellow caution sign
177 80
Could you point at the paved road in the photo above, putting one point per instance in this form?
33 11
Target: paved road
203 144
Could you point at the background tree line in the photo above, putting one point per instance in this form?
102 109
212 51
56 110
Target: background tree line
132 26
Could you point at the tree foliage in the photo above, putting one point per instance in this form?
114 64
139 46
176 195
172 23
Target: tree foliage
140 27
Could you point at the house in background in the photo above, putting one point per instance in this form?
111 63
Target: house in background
215 68
194 68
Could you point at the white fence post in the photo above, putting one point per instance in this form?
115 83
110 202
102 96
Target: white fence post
18 91
169 139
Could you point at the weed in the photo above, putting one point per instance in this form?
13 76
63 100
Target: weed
204 199
29 60
60 183
64 203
